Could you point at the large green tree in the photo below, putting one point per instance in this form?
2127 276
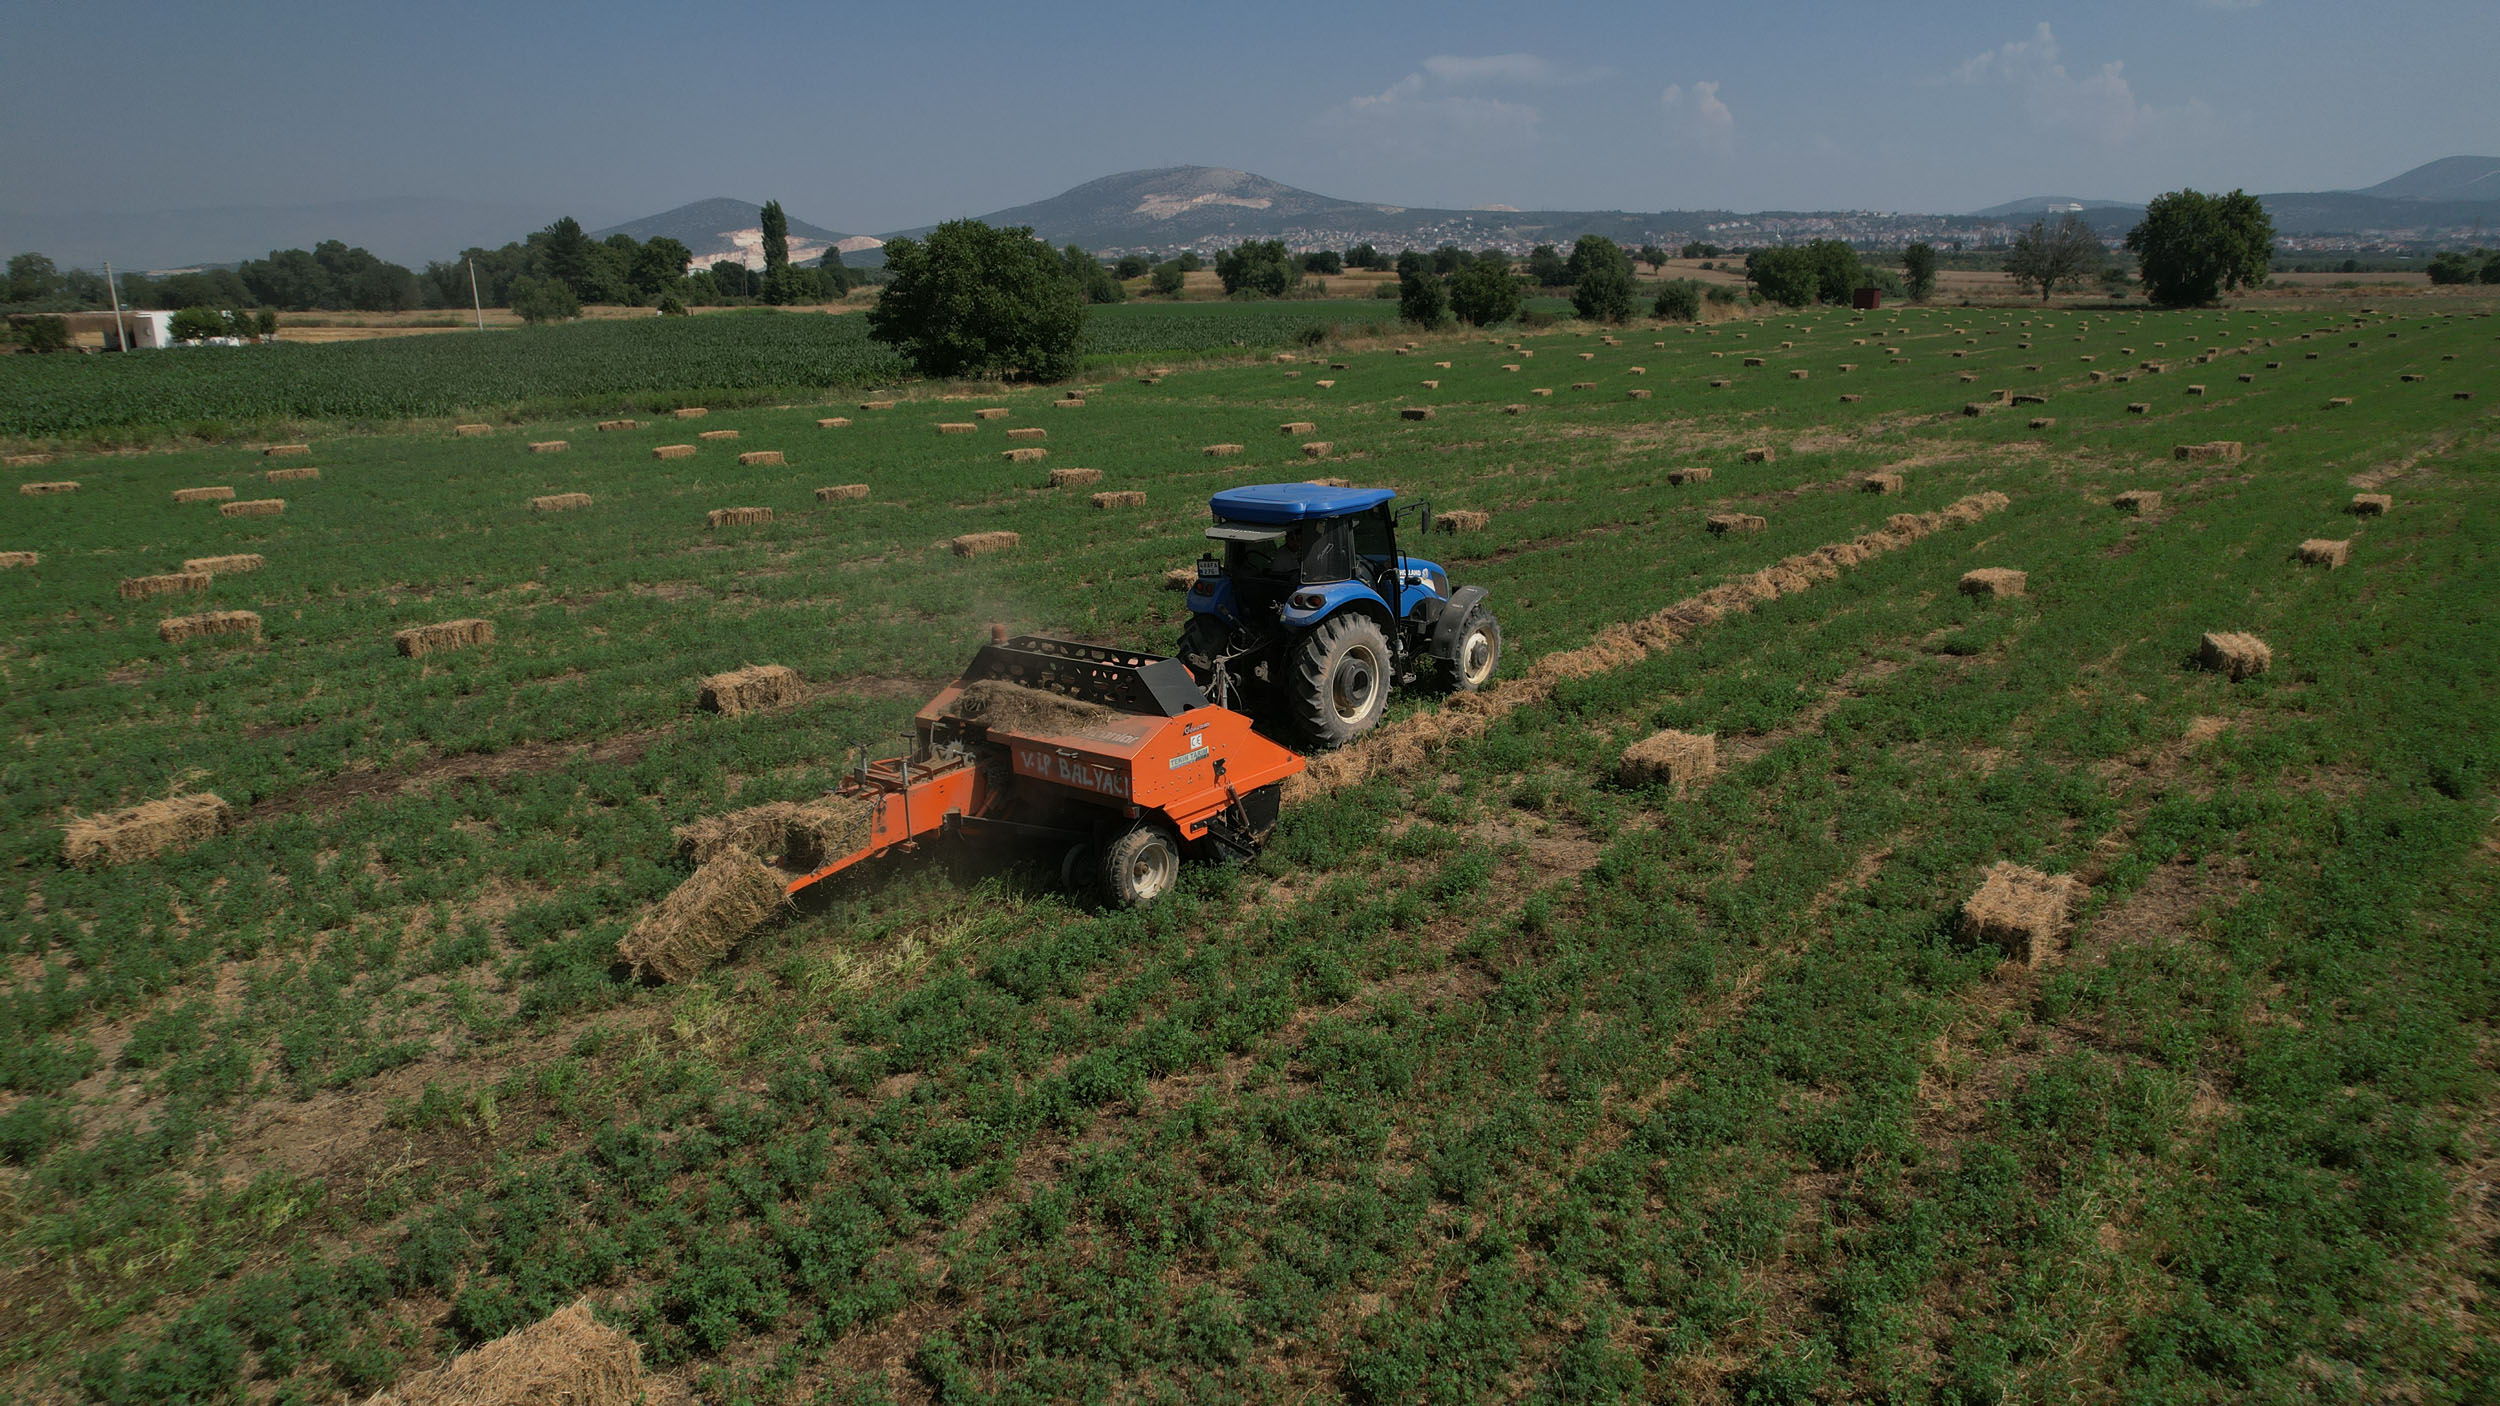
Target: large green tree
32 278
1547 268
2191 247
1918 270
1422 297
1601 279
1261 266
782 284
1484 293
971 300
2049 257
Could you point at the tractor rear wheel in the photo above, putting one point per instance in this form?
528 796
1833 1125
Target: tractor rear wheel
1140 866
1341 674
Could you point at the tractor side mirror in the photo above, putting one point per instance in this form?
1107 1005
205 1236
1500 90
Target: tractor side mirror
1422 513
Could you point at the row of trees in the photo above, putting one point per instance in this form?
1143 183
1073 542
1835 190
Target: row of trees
330 276
2452 267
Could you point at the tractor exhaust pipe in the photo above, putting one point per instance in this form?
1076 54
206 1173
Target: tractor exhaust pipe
998 633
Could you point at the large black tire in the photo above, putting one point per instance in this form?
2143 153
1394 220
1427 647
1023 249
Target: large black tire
1140 866
1339 680
1479 653
1202 640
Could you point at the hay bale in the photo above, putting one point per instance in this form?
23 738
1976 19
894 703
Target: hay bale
1222 451
738 517
1636 371
990 412
559 502
1158 380
1681 477
876 405
10 560
2138 501
1761 454
1584 385
142 831
1295 427
1754 361
717 436
1031 432
841 492
549 446
1967 377
1675 760
418 641
1078 403
27 461
218 494
1416 412
2219 450
607 425
796 834
253 507
1025 456
564 1359
2318 551
1735 522
1074 478
1120 498
289 475
2248 378
2044 422
1636 395
285 451
2238 655
1330 482
2020 910
834 422
2196 390
1432 385
1546 391
1317 449
1324 385
980 544
1461 520
1798 374
1881 483
958 427
1994 581
65 485
228 565
1976 408
1515 409
176 629
2460 395
2371 504
174 583
760 458
691 412
672 451
751 689
1592 356
2139 407
1180 578
472 431
1851 399
2338 402
2029 400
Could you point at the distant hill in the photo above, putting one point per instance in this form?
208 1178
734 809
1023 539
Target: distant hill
721 228
2451 178
2050 204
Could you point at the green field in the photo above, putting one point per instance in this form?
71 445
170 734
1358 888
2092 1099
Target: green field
1494 1077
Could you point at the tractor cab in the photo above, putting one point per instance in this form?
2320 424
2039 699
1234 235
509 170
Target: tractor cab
1307 603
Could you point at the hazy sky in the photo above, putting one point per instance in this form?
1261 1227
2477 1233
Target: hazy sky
869 118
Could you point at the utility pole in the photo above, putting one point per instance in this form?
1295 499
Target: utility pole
473 302
120 332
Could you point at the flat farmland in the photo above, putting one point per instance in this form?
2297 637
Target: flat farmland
1501 1074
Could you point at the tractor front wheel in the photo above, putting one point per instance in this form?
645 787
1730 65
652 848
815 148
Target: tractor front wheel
1479 652
1341 678
1140 866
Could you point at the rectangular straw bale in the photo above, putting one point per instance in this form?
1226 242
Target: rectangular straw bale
1222 451
1120 498
2337 402
990 412
1317 449
172 583
672 451
27 461
285 451
716 436
1078 402
2138 501
1180 578
2030 400
620 425
1515 409
2371 504
559 502
1431 385
752 689
876 405
565 1359
738 517
1851 399
1034 432
1025 456
15 559
1681 477
2235 654
2319 551
176 629
1074 478
1994 581
219 494
1676 760
1549 390
1462 520
841 492
978 544
2020 910
1977 408
142 831
834 422
253 507
66 485
1415 412
550 446
289 475
418 641
472 431
1584 385
2224 450
1636 395
1324 385
1761 454
2139 407
760 458
1798 373
1753 361
958 427
1295 427
227 565
1881 483
2044 422
691 412
1735 522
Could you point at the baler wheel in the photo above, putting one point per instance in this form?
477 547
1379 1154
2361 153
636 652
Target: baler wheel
1140 866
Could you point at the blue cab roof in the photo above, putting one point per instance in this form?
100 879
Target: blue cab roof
1294 502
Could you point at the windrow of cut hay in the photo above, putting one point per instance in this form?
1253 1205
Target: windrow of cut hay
752 689
417 641
565 1359
142 831
797 835
697 924
1407 746
176 629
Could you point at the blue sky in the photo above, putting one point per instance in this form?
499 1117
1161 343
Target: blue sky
874 117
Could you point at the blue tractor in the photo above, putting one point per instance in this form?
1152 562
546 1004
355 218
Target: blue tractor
1313 615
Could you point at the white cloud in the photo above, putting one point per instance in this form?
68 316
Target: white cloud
1415 117
2099 104
1699 117
1506 70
